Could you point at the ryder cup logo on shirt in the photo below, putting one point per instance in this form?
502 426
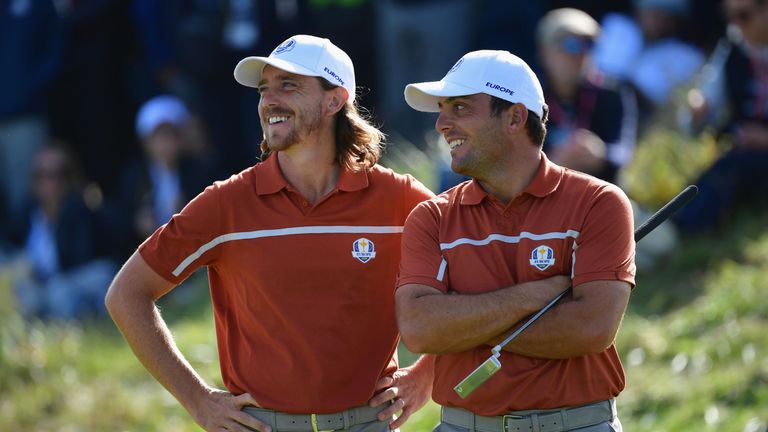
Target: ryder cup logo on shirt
363 249
542 257
285 46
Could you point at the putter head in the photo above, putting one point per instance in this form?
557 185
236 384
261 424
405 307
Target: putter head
478 376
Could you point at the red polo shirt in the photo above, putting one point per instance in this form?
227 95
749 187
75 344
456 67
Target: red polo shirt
467 241
303 295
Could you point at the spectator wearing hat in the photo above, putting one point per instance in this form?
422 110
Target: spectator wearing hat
592 127
173 168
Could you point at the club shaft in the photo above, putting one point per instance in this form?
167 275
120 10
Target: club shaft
649 225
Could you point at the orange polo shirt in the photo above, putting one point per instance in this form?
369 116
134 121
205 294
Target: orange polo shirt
303 295
467 241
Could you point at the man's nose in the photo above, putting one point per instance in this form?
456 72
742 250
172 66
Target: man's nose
442 124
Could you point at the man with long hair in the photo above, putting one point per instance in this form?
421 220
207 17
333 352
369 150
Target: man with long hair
302 252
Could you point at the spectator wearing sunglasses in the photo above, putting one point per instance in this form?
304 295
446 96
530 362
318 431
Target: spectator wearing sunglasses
732 97
592 127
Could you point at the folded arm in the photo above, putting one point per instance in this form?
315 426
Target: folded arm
431 321
586 322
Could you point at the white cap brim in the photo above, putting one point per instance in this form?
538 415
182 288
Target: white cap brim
425 95
248 70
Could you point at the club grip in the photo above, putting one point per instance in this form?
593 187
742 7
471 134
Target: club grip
665 212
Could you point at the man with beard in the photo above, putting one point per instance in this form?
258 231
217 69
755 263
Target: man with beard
480 257
302 252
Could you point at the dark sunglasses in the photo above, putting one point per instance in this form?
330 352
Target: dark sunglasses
575 45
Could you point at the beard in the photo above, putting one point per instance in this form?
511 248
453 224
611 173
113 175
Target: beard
483 153
307 122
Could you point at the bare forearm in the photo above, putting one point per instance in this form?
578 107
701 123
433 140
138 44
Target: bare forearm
574 327
560 333
460 322
131 303
152 343
437 323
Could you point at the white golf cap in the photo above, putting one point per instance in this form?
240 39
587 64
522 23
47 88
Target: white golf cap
163 109
566 21
496 73
303 55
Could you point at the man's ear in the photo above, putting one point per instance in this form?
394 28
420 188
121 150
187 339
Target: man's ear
339 97
517 115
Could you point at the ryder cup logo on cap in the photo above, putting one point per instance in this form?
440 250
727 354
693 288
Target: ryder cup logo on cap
496 73
285 46
456 66
303 55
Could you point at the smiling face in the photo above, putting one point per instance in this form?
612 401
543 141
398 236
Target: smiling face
475 136
291 107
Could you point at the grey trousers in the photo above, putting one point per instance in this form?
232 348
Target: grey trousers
613 426
374 426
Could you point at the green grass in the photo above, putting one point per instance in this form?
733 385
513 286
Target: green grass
694 341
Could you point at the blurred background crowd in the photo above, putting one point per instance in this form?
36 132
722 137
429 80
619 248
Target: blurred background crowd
113 114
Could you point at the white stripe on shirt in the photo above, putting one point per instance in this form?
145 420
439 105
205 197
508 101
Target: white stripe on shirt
509 239
506 239
248 235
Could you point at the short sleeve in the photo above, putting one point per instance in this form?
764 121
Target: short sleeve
421 261
414 193
606 247
185 243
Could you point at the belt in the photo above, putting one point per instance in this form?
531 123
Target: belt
556 420
282 422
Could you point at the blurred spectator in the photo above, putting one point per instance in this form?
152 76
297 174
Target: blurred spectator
60 270
592 128
173 169
416 40
188 48
651 52
30 52
736 80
